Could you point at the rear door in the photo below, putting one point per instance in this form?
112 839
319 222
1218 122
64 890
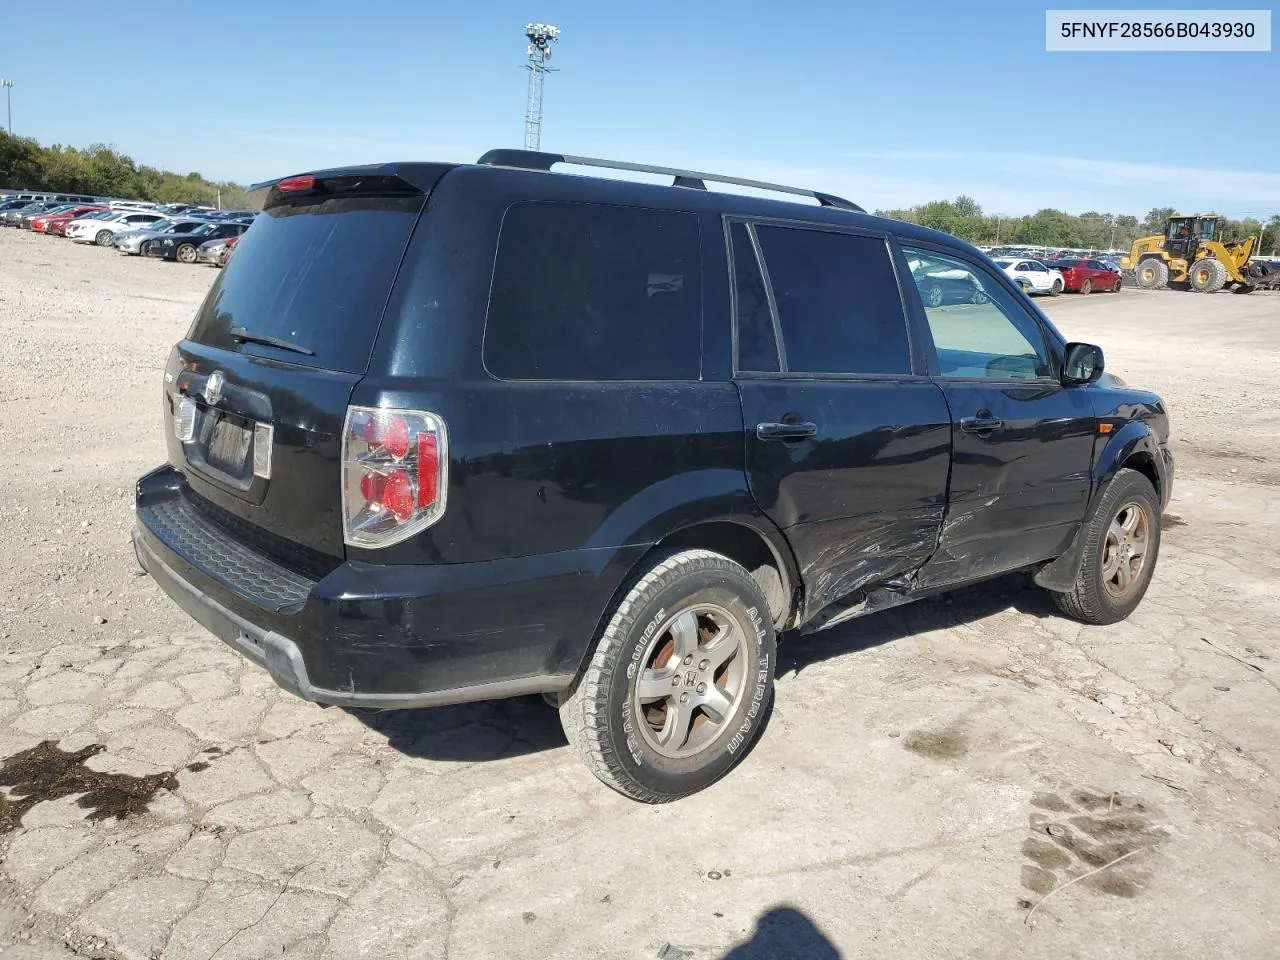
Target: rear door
1023 443
847 443
283 336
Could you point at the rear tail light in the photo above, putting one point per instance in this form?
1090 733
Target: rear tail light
395 466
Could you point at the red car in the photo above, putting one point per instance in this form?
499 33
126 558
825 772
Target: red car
63 217
1086 276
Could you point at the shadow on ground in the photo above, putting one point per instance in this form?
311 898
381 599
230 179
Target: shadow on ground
500 729
785 933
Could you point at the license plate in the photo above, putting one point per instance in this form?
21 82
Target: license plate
229 447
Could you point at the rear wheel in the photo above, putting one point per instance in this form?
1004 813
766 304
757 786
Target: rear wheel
933 295
680 683
1086 286
142 250
1122 544
104 238
1207 276
1152 274
187 253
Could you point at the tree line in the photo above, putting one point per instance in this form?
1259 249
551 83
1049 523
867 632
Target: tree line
101 171
1092 230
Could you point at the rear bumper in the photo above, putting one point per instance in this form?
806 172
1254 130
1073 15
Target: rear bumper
380 636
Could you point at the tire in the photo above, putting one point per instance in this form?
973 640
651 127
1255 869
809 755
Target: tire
979 297
664 746
1056 289
1119 284
1086 286
1152 274
1207 276
932 295
1107 587
104 238
142 250
186 253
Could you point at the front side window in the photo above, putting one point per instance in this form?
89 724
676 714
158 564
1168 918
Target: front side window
837 301
979 330
586 291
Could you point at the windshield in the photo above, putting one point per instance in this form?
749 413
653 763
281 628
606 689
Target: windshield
203 230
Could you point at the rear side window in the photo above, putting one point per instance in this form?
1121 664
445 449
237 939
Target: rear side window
586 291
837 301
316 274
757 342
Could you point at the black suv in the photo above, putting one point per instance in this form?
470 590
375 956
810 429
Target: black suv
454 432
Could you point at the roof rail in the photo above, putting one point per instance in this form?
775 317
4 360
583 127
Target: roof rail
691 179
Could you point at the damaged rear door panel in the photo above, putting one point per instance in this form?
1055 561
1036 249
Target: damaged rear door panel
848 445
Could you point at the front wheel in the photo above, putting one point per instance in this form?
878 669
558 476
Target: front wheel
1122 543
681 681
187 253
1056 288
104 238
1119 283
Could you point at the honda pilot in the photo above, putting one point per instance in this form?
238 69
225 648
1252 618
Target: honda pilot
451 432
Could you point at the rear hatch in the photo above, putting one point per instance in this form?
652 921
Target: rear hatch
256 394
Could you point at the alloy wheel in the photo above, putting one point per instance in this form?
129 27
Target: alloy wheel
1124 552
692 677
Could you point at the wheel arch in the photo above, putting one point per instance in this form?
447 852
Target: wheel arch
749 539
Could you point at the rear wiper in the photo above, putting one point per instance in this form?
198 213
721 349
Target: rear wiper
242 335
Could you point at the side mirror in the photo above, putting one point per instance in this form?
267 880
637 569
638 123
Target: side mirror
1083 363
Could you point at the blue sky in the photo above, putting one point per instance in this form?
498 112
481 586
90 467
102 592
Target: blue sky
889 104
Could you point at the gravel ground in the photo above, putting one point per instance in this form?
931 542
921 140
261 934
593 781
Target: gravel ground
929 776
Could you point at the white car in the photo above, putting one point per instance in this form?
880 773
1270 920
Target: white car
1032 275
103 232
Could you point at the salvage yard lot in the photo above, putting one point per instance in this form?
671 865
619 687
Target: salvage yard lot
928 776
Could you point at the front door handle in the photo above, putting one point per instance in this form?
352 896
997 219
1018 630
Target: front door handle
786 432
980 425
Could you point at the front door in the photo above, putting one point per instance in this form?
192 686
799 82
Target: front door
1022 443
848 442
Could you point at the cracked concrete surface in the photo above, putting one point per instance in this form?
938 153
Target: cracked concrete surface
928 776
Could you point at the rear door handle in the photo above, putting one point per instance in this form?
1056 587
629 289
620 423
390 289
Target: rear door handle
786 432
980 424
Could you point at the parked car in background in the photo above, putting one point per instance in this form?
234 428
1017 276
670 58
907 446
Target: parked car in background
232 243
186 247
941 283
13 217
103 232
1086 276
14 203
44 223
134 242
62 228
1032 275
215 252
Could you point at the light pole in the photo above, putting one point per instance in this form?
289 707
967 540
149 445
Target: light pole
541 36
8 98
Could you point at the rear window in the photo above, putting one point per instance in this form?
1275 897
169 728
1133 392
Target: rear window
315 274
586 291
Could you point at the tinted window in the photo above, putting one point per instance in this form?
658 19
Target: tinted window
837 300
595 292
980 331
314 273
757 345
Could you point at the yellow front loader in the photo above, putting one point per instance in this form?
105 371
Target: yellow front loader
1191 256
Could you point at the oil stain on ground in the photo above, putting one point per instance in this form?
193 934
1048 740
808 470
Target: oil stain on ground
937 745
1083 830
46 773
